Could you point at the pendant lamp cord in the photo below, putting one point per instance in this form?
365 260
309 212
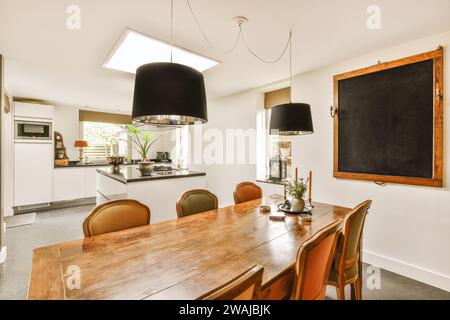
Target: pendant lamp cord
171 30
259 57
239 36
290 64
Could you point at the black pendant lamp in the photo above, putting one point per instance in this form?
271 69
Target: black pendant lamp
167 93
291 119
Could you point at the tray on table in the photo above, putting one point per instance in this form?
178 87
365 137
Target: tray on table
306 210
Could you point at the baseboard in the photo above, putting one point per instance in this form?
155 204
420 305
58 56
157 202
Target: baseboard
58 205
427 276
2 255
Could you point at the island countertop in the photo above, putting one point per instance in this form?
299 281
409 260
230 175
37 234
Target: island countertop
130 173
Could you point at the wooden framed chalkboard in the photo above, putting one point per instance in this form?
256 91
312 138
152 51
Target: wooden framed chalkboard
388 125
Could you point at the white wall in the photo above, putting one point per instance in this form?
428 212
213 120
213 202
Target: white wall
7 165
232 112
166 143
408 229
66 122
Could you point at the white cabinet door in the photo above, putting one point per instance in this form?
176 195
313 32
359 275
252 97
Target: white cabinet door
33 173
91 182
69 184
33 110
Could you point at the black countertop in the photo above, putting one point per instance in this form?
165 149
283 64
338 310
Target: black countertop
281 183
86 165
76 164
129 174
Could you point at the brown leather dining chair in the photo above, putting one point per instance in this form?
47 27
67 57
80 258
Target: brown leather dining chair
246 191
243 287
347 265
196 201
115 216
313 264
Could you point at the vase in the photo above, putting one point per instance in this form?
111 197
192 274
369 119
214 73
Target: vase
297 204
116 161
146 168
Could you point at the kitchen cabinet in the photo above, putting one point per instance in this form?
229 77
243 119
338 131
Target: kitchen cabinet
75 183
70 184
33 110
91 182
33 173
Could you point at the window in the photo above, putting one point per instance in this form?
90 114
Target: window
278 146
273 146
104 140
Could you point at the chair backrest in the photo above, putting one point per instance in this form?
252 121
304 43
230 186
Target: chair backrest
313 264
115 216
351 236
246 191
243 287
196 201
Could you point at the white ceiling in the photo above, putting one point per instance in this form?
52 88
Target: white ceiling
45 60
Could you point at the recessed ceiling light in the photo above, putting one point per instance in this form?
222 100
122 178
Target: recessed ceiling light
135 49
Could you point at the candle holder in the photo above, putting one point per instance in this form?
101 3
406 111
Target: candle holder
310 189
310 203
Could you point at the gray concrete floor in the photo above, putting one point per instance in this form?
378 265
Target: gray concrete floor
66 224
50 227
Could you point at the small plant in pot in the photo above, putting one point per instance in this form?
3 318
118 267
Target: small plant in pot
142 141
297 189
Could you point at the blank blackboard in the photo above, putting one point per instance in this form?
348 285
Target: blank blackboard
386 123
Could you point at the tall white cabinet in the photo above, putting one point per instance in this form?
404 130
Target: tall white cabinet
33 160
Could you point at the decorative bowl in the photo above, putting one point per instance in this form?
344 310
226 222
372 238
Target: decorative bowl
146 168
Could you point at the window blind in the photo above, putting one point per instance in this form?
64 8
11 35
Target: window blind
105 117
6 102
276 97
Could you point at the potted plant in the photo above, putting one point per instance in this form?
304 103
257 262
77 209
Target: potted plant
142 141
297 190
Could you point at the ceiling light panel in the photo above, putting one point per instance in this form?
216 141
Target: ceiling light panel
135 49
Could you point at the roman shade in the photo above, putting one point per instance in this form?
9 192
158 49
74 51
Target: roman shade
105 117
277 97
6 102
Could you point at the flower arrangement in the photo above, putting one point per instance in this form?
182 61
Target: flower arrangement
297 188
142 141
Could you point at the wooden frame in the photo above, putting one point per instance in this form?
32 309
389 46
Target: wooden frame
437 178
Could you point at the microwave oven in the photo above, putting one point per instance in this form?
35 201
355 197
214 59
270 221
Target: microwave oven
29 130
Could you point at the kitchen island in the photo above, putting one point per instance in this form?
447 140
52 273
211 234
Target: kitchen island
159 192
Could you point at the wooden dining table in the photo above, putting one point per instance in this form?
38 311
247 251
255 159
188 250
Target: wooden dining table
179 259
